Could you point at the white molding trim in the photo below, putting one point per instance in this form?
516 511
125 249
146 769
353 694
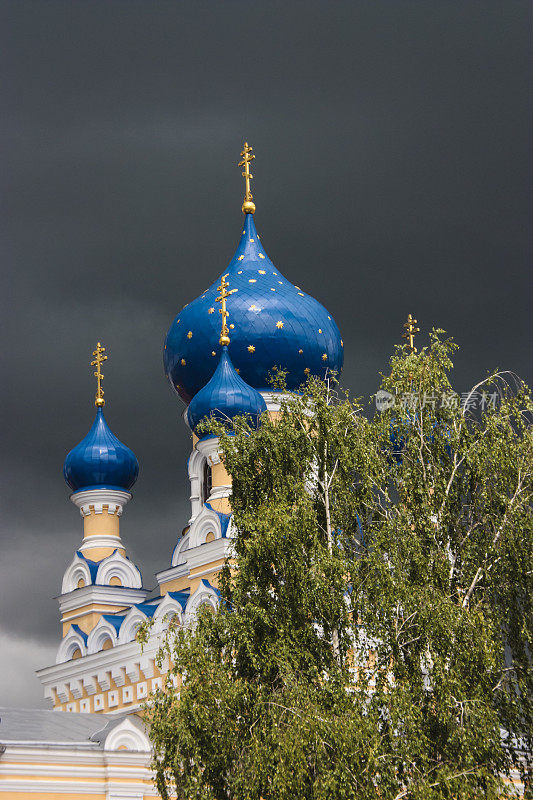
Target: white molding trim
195 466
172 573
96 499
218 492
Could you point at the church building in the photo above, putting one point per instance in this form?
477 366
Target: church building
218 355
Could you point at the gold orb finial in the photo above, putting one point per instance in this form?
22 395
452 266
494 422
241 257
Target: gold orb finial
99 359
409 333
224 294
248 207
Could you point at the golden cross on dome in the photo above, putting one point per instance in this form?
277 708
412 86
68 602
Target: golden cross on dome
410 330
248 207
224 294
99 359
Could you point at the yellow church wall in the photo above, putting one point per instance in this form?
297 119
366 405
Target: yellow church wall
222 505
98 553
103 524
220 475
87 616
191 582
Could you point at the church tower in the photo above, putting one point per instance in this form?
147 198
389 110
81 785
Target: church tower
219 353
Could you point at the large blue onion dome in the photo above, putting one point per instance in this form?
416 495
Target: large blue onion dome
225 396
272 324
100 461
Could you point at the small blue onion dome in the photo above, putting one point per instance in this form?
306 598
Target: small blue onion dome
225 396
272 324
100 461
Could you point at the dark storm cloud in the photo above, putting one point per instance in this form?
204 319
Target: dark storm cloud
393 174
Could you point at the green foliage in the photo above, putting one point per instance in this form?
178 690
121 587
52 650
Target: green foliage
376 639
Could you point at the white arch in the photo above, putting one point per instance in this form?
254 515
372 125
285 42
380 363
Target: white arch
166 610
179 556
128 735
102 631
132 621
205 594
78 569
118 566
206 522
73 641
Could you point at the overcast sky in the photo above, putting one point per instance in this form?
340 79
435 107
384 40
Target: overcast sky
393 175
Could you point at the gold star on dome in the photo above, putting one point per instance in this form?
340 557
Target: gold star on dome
261 271
252 280
342 343
210 310
213 353
301 294
240 258
320 330
307 370
300 352
183 362
253 307
251 348
260 255
189 335
252 240
297 287
232 326
239 272
324 356
238 371
272 290
279 324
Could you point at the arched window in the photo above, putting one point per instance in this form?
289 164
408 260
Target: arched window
207 481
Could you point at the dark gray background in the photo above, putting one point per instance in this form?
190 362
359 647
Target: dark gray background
393 174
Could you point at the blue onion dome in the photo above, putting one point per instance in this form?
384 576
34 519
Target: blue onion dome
225 396
100 461
272 324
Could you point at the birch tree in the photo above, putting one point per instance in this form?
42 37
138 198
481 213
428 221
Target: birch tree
374 635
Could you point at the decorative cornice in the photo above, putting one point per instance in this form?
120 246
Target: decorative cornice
96 499
179 571
98 540
107 595
273 399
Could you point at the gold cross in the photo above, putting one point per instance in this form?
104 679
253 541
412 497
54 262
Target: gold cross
248 207
99 359
224 293
410 330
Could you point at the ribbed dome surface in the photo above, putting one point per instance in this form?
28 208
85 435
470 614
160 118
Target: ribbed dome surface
276 324
100 461
225 396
